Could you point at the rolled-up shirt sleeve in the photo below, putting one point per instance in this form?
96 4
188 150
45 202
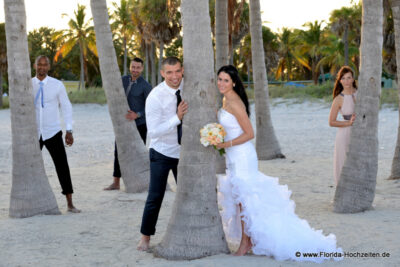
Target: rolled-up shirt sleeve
66 107
156 125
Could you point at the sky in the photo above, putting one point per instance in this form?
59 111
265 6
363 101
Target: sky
276 14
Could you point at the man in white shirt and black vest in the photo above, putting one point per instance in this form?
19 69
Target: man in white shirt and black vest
50 94
164 113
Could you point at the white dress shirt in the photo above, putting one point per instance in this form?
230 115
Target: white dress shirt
162 120
48 116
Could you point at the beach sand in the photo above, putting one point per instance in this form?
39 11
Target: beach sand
107 230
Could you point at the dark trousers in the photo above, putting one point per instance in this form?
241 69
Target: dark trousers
160 166
143 133
55 146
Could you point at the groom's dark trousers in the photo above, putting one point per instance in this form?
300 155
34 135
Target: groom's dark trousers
160 166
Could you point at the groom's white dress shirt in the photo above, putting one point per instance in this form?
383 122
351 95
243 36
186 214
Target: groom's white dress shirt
162 120
48 116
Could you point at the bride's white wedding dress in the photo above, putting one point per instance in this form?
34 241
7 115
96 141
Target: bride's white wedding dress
269 213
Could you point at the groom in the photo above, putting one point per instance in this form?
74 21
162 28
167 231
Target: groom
164 111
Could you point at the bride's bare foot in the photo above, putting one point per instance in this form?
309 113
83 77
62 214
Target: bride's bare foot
245 246
144 243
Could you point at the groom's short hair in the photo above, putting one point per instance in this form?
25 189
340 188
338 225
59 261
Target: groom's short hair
170 61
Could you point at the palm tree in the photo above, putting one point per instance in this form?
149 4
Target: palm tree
311 46
195 228
332 54
132 154
343 22
238 22
3 59
267 144
395 5
161 23
221 34
286 54
79 33
356 189
122 25
221 54
31 193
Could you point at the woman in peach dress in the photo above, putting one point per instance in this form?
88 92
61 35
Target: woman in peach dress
344 93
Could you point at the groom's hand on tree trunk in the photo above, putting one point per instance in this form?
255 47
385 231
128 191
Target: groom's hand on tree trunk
182 109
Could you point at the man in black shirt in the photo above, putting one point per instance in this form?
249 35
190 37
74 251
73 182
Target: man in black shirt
136 89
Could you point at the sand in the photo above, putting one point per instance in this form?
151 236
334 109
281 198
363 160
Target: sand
107 230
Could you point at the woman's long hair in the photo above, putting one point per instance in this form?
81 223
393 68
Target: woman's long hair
238 88
338 88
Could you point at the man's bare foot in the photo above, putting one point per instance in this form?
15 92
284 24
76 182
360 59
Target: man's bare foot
245 246
73 210
144 243
112 186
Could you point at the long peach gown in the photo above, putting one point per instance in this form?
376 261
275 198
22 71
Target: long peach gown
343 136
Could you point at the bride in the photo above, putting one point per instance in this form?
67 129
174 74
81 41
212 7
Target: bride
256 210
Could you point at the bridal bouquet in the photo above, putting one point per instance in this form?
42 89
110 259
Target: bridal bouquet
213 134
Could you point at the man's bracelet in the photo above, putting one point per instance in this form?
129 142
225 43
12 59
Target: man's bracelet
231 143
69 131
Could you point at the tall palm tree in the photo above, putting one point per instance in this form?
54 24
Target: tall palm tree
286 54
395 5
311 46
221 34
332 54
3 59
238 22
132 154
267 144
122 25
343 22
221 54
161 23
31 193
195 227
79 33
356 189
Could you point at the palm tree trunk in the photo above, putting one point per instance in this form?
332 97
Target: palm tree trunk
346 44
31 193
395 5
195 228
159 80
132 154
153 64
267 144
356 188
248 64
221 34
125 56
321 70
146 65
1 89
82 75
222 56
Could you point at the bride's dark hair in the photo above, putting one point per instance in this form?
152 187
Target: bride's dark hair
238 85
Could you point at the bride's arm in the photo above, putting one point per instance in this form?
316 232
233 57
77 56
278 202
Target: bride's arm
239 111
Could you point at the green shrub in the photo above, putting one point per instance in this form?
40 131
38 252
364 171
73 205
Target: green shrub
90 95
6 103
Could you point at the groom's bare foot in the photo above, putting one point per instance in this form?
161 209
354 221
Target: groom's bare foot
245 246
144 243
